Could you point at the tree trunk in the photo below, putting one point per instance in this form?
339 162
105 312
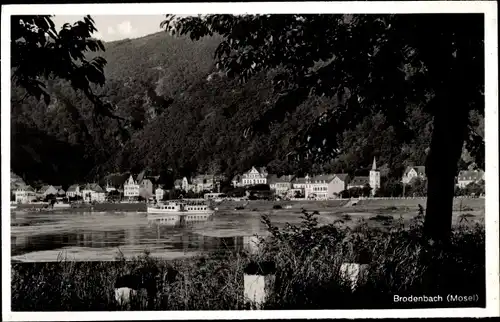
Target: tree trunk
450 130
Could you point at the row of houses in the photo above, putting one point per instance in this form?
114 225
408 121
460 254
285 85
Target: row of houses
323 186
327 186
25 193
89 192
200 183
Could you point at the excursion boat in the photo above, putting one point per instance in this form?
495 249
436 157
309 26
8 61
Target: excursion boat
182 207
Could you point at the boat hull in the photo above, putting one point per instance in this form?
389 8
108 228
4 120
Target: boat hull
178 213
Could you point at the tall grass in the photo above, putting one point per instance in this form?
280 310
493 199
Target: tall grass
308 259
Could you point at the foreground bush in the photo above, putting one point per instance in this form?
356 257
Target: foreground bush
307 257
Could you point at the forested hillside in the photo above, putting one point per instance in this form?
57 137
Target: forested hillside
187 118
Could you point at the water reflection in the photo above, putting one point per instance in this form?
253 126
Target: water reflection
177 221
97 235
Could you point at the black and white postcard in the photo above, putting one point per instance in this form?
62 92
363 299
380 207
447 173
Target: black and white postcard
249 160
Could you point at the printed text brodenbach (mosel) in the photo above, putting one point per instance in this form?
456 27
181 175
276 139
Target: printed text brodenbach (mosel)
435 298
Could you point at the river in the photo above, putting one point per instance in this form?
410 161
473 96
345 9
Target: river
101 236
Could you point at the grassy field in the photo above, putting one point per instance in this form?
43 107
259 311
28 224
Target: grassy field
364 205
376 212
308 258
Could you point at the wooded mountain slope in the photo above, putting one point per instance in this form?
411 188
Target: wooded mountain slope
186 118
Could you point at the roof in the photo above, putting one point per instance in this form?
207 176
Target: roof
94 187
128 178
285 179
72 188
322 177
420 169
44 188
342 176
471 175
61 192
299 180
359 180
261 170
26 188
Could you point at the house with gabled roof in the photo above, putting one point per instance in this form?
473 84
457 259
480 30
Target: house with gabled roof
283 184
131 188
469 176
413 172
46 190
24 194
73 191
319 186
254 176
92 192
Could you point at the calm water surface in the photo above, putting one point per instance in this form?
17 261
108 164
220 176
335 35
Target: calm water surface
100 236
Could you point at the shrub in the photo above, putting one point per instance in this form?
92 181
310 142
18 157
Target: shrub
307 259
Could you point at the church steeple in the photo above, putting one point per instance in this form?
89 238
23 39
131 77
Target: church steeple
374 165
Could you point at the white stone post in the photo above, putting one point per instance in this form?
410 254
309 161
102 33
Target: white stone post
258 279
354 274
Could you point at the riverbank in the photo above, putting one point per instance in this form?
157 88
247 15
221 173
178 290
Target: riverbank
321 206
308 260
85 207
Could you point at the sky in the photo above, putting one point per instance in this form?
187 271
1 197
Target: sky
117 27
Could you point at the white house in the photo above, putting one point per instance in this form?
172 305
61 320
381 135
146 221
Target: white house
320 186
93 193
159 193
73 191
466 177
254 177
299 184
131 188
281 185
24 194
413 172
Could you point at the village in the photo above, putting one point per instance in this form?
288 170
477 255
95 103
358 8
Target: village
256 183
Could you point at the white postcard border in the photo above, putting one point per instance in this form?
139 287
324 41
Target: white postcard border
489 8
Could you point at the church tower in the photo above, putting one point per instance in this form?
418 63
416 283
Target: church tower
374 177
